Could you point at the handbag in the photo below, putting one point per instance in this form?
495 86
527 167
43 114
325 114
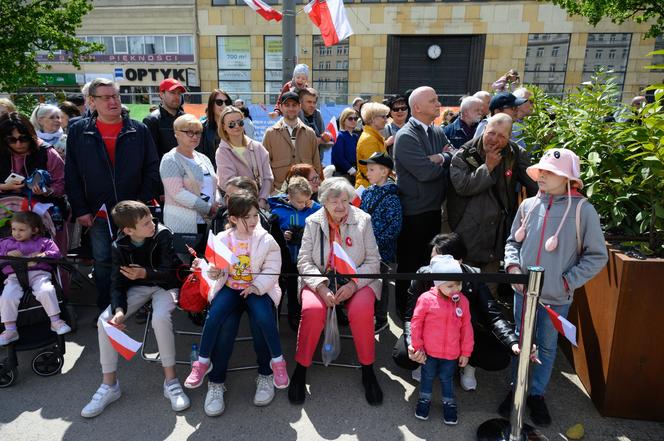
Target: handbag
190 298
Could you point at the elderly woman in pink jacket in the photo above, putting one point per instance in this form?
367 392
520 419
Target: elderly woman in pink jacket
239 155
337 223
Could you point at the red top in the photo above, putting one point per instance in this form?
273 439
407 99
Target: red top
109 133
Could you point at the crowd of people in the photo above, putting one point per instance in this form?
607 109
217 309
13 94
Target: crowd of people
434 199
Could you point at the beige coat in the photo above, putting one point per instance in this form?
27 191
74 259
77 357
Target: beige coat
283 154
363 250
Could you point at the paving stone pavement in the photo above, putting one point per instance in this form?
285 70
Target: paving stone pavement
37 408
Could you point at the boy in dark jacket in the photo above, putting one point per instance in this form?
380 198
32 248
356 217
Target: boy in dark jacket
144 265
381 201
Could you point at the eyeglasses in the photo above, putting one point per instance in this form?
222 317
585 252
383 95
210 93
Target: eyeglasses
220 102
14 140
399 109
352 118
315 178
191 133
232 124
107 98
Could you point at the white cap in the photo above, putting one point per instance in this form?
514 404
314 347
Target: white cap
444 264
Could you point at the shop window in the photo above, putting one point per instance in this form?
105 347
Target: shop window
234 66
546 61
330 75
603 47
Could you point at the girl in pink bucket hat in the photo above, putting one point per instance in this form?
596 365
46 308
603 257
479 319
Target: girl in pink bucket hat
559 230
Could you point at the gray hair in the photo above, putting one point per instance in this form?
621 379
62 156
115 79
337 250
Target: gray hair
42 110
483 95
333 188
85 90
522 92
101 82
468 102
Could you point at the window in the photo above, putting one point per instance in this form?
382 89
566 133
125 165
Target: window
657 59
546 61
273 60
120 45
234 66
170 44
136 45
185 44
330 75
597 56
144 44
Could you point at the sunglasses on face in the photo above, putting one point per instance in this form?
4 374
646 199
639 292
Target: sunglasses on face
14 140
232 124
191 133
352 118
399 109
220 102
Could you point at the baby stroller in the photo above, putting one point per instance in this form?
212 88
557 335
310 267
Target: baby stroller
33 324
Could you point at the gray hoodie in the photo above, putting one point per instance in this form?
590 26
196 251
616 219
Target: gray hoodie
564 269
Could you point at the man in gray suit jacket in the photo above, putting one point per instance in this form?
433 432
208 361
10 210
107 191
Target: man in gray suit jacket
422 169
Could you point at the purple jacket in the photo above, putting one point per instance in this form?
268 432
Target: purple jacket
33 246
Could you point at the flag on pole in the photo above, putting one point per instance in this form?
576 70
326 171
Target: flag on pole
357 200
562 325
264 10
121 342
330 17
331 128
207 284
342 262
217 253
36 207
103 214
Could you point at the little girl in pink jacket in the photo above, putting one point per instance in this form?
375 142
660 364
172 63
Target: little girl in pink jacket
441 337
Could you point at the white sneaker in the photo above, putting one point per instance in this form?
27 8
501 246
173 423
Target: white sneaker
468 381
264 390
8 336
416 374
214 399
60 327
179 400
104 396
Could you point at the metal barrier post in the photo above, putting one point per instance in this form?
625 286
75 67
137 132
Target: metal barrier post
499 429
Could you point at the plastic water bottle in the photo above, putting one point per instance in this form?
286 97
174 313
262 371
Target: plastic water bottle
194 353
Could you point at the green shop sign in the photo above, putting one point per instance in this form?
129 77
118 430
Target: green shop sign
56 79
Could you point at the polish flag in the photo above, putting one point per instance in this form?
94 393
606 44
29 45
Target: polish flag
217 253
207 284
332 128
264 10
330 17
357 200
562 325
103 214
121 342
36 207
342 263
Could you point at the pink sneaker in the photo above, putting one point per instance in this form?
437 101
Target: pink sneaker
198 372
281 380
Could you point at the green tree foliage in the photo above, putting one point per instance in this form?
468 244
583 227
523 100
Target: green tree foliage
618 11
31 26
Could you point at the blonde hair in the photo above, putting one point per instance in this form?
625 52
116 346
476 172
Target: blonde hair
299 185
187 122
222 131
348 111
8 105
372 110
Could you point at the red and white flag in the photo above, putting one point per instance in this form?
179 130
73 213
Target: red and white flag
264 10
357 200
36 207
331 128
342 262
207 284
103 214
562 325
330 17
121 342
217 253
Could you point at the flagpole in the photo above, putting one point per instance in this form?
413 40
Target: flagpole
288 40
499 429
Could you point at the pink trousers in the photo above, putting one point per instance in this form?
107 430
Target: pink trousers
360 309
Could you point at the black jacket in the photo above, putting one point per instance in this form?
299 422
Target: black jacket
91 180
209 142
161 266
484 310
160 125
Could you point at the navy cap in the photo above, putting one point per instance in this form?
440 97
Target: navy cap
379 158
290 96
505 99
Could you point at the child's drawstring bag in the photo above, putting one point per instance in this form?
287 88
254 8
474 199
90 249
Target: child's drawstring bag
332 342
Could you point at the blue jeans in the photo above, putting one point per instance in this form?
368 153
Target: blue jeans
546 339
100 241
445 370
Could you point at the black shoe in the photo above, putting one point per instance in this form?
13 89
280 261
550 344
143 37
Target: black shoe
422 409
141 315
539 413
298 383
505 408
450 414
372 390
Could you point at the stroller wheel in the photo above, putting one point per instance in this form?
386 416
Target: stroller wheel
47 363
7 375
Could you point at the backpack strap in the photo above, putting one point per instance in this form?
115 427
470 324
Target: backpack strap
578 226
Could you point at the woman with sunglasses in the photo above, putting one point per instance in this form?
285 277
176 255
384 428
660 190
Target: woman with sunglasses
217 102
399 113
344 151
190 182
239 155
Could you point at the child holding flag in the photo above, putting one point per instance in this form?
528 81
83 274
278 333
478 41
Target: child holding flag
245 263
560 231
144 265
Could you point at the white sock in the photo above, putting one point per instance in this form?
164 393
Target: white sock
278 359
203 360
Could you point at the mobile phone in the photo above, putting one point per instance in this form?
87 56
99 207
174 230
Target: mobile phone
14 178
